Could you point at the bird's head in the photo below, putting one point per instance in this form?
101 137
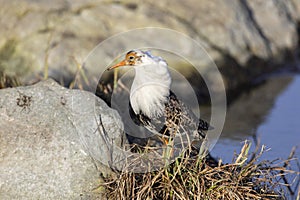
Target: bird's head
137 58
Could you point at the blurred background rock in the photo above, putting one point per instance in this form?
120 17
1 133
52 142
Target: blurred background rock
245 38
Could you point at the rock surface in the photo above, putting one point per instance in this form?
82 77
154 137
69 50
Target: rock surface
55 143
50 142
246 38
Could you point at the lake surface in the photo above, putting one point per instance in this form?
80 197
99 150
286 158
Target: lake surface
278 128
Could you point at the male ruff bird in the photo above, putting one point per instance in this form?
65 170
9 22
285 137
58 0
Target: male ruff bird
154 106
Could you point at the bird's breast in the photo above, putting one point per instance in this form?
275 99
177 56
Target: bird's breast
149 99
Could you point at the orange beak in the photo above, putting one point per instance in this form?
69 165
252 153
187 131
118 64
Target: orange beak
120 64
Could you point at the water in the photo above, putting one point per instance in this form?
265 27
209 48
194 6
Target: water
277 128
280 131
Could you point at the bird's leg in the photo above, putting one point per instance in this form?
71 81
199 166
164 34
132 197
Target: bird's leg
168 151
165 140
168 147
169 144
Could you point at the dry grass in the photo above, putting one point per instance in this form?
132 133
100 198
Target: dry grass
8 81
187 178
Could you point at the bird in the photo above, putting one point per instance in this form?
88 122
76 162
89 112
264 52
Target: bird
154 106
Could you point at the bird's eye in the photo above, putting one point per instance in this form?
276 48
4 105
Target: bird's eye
131 57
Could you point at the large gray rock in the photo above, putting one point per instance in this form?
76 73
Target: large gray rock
53 145
244 33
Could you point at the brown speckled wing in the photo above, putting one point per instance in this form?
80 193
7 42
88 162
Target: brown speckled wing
177 119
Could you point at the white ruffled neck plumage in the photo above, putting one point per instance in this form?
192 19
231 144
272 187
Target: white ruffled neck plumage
151 85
